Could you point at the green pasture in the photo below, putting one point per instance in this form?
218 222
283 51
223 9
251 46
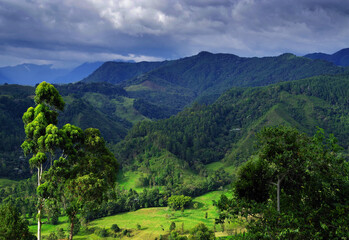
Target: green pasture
156 221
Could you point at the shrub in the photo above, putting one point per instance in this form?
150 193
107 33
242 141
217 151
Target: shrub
115 228
101 232
178 201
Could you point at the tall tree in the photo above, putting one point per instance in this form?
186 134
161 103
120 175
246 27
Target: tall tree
40 130
83 174
282 149
85 168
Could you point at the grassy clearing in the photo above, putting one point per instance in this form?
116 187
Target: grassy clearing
4 182
156 221
125 110
129 180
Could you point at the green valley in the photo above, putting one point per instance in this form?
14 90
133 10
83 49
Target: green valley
184 128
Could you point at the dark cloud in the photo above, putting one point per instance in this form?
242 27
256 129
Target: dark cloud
67 32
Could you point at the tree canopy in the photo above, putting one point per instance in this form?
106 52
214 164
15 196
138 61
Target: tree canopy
297 188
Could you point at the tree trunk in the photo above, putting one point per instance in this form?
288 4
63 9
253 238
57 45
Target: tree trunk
71 228
40 204
39 223
278 194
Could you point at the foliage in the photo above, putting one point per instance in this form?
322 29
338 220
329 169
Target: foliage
313 194
83 172
179 201
201 232
115 228
172 226
101 232
42 135
52 236
226 129
12 225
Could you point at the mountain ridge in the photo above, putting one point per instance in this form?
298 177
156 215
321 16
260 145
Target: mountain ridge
339 58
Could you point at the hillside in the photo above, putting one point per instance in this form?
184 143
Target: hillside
224 131
340 58
172 85
100 105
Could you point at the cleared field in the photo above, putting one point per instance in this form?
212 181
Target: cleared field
156 221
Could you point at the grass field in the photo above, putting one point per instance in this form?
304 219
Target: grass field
156 221
4 182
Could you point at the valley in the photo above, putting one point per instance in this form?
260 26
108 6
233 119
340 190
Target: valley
179 127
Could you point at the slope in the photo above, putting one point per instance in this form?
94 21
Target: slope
100 105
225 130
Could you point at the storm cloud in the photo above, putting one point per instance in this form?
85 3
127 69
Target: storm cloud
68 32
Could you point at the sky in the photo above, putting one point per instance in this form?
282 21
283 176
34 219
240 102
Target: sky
66 33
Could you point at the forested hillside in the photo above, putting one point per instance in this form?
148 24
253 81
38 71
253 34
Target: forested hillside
101 105
225 131
204 77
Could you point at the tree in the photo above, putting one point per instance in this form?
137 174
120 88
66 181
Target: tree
85 168
178 201
283 151
83 174
12 225
41 133
311 182
201 232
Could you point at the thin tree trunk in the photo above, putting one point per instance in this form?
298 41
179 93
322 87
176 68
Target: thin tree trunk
278 194
40 203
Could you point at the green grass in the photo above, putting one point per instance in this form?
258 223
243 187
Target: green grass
155 221
124 109
129 180
4 182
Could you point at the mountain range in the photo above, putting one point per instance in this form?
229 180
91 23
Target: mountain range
219 102
31 74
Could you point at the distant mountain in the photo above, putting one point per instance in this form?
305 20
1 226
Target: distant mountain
172 85
78 73
31 74
340 58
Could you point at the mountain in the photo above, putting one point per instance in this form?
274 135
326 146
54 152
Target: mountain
31 74
340 58
117 72
172 85
223 134
78 73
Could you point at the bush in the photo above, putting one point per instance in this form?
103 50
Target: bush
52 236
60 233
101 232
172 226
115 228
201 232
178 201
